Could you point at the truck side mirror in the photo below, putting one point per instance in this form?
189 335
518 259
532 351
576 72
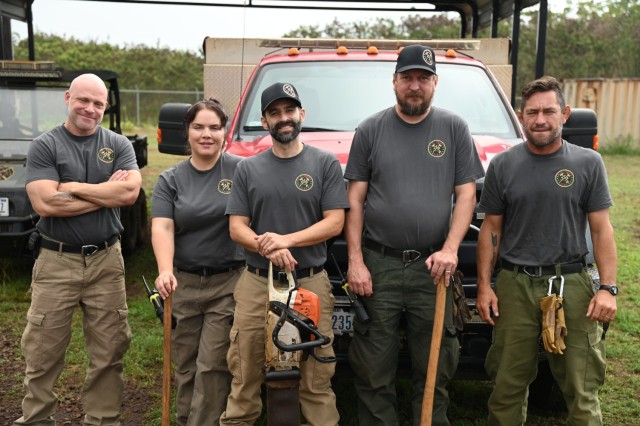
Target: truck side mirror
582 128
171 133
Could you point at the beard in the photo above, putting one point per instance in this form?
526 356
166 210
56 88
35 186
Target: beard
286 138
413 110
541 142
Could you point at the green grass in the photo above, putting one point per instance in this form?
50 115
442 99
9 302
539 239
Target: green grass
143 362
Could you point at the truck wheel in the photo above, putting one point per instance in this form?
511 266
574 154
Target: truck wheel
143 228
130 222
544 392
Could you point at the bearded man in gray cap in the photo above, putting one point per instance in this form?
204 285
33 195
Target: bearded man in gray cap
405 164
286 202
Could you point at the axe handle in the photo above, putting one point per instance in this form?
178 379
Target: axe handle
166 363
434 354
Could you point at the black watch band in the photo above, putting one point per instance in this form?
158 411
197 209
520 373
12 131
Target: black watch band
610 288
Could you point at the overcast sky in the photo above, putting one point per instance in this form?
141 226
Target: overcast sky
178 26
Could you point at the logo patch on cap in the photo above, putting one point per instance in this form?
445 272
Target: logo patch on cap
304 182
106 155
224 186
427 56
565 178
436 148
289 90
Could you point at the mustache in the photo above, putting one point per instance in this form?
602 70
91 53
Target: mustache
282 124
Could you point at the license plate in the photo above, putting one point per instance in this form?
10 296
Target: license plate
342 322
4 206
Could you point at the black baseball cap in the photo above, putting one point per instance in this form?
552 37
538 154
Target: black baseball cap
416 56
279 91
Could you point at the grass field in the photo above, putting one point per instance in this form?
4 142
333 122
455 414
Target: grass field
620 395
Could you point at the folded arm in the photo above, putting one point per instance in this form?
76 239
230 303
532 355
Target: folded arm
119 191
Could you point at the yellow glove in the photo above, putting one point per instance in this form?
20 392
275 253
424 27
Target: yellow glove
561 328
548 306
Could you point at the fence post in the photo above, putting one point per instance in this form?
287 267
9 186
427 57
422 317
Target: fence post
197 95
137 106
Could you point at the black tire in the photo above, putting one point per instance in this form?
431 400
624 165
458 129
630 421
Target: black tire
143 228
544 393
130 221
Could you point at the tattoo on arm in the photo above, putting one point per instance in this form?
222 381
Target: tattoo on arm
494 252
66 195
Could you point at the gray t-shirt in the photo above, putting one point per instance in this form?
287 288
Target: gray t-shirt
544 201
196 201
63 157
412 170
285 195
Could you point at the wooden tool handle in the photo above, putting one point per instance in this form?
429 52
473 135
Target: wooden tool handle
434 354
166 363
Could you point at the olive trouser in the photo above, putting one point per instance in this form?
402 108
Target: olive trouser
203 309
512 359
408 291
62 281
246 356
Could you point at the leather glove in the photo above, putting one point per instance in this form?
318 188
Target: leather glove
561 327
548 306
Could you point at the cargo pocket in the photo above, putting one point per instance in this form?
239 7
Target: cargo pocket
596 360
233 356
122 337
32 340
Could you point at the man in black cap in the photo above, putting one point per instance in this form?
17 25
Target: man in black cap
405 164
286 202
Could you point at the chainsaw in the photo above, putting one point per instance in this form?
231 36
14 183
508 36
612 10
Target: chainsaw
291 337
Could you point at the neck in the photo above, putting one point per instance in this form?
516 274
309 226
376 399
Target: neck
288 150
205 163
545 150
412 119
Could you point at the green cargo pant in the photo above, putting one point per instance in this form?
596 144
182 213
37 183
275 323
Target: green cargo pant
373 353
246 355
512 359
61 282
203 309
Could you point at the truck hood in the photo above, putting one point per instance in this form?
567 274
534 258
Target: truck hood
339 143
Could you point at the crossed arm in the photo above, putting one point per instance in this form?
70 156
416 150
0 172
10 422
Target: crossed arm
53 199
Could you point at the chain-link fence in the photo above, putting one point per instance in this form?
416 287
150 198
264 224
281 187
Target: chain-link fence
140 107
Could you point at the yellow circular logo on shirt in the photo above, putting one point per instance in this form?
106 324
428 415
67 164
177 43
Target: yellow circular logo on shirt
436 148
304 182
224 186
565 178
106 155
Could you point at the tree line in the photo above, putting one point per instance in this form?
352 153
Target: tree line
584 41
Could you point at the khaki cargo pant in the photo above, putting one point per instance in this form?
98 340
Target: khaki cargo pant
373 353
246 356
512 359
61 282
203 309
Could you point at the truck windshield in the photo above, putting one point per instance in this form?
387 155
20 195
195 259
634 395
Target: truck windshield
25 113
339 95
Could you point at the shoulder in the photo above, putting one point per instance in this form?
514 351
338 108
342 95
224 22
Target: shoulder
579 152
231 158
376 118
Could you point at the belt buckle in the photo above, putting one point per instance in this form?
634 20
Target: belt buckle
89 250
536 274
410 256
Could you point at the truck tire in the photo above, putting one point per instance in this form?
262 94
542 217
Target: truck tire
130 221
143 227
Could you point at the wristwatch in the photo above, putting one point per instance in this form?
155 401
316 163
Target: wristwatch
610 288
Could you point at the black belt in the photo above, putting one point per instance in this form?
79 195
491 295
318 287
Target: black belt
205 271
85 250
299 273
538 271
407 256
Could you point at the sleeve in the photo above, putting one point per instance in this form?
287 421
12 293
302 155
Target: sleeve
125 154
491 201
41 161
598 196
468 165
238 203
334 191
163 196
358 167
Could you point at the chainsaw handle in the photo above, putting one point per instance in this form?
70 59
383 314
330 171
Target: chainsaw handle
285 314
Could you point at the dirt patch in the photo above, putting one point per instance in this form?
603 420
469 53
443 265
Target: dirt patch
137 402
